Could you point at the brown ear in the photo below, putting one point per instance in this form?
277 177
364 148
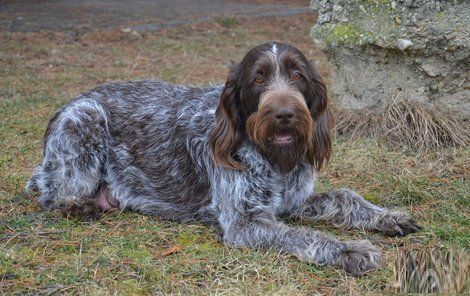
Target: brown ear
225 136
319 151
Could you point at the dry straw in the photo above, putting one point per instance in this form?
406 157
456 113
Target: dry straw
432 271
408 124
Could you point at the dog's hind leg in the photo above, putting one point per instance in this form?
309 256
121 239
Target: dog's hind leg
71 177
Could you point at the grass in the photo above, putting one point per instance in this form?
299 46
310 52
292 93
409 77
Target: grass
407 123
432 271
128 253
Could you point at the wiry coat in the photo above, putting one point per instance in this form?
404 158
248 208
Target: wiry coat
148 141
222 155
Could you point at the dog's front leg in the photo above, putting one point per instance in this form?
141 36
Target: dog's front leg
263 231
346 209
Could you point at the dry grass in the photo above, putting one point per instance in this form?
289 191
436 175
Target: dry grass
407 123
433 271
42 253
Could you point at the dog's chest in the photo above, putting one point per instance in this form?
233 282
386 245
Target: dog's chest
283 193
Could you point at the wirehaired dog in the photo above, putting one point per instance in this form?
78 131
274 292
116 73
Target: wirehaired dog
238 157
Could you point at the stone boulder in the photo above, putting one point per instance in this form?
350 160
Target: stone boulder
383 50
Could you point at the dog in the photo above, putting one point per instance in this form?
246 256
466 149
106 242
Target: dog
239 156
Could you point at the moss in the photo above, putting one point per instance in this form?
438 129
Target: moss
131 287
372 198
368 21
441 15
345 34
377 2
187 238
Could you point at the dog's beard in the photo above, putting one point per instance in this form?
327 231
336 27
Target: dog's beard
283 146
285 156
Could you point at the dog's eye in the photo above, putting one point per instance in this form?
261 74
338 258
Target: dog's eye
259 79
296 76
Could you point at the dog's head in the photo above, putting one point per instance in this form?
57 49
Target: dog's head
275 99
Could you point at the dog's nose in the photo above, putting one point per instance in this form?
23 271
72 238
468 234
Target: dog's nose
284 115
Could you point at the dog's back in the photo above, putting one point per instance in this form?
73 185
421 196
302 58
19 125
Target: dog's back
142 143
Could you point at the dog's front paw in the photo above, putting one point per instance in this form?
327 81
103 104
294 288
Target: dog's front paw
359 257
396 223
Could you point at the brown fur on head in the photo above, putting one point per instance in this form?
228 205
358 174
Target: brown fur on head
275 99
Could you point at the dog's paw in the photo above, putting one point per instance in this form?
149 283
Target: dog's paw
359 257
396 223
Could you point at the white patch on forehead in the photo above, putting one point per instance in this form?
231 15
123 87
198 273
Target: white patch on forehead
276 76
274 49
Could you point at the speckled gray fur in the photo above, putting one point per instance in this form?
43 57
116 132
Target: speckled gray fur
147 142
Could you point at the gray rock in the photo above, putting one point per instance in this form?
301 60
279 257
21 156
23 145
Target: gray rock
403 49
403 44
337 8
